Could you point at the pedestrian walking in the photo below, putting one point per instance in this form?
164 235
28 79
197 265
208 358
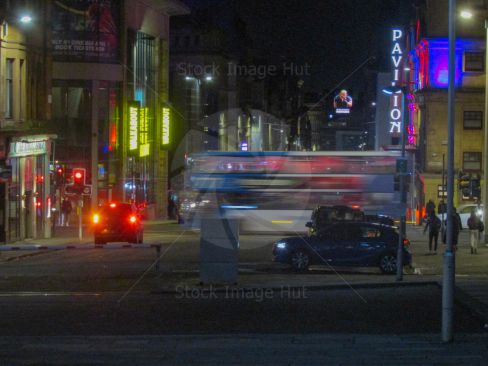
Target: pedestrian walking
456 227
476 227
66 209
434 225
429 208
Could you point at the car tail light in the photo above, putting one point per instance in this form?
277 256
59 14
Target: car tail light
113 205
406 243
96 219
132 219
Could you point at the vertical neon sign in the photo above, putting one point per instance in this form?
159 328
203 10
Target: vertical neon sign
165 126
133 126
396 111
143 133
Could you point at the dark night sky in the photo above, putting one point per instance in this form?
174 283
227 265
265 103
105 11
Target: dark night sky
333 37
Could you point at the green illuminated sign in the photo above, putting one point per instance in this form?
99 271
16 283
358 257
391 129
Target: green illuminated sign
143 133
133 126
165 126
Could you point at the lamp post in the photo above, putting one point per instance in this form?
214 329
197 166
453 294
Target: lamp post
449 259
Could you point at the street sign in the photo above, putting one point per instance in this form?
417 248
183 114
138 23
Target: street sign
71 189
87 190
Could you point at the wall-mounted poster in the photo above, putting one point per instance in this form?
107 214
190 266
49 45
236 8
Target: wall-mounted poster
85 31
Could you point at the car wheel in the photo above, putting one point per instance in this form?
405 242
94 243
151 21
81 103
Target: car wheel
300 260
388 264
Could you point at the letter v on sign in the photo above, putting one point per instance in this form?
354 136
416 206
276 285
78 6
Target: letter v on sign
396 60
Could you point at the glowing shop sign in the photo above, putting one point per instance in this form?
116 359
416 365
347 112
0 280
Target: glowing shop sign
143 133
397 55
133 127
396 97
165 126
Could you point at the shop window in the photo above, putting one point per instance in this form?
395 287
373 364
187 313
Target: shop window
9 88
474 62
473 120
471 161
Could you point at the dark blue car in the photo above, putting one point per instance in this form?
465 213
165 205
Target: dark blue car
347 243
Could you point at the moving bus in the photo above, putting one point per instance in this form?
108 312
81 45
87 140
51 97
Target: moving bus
277 191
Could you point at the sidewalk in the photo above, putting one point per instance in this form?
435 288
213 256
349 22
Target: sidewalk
248 349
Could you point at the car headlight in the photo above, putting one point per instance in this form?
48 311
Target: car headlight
479 212
281 245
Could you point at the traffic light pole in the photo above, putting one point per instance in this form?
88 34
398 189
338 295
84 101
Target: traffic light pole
80 217
448 275
403 193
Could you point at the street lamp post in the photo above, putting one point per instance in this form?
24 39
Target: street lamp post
449 259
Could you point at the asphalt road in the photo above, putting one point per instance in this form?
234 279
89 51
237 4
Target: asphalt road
414 309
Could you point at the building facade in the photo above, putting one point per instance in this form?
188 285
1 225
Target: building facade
83 84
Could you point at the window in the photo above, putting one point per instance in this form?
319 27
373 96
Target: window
473 120
472 161
368 232
474 61
9 88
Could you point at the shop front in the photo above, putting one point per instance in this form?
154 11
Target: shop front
28 193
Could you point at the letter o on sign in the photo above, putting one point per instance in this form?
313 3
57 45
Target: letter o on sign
395 114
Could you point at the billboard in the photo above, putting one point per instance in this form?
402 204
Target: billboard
85 31
342 102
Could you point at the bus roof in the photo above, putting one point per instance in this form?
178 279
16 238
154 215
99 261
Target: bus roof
298 153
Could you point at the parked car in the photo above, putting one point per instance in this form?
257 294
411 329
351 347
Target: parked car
380 219
117 221
464 212
345 243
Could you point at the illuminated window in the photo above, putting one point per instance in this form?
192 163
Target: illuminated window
474 62
473 120
471 161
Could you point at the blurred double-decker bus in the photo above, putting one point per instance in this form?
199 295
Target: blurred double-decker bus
277 191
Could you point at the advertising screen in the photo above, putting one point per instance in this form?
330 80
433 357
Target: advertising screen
342 103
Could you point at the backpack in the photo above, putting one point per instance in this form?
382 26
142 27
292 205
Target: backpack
436 224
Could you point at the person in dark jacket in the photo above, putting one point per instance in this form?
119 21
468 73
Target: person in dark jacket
475 228
456 226
434 225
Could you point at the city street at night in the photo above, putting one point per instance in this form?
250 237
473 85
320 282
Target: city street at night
243 182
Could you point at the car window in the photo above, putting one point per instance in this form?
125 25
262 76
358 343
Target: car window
342 232
368 232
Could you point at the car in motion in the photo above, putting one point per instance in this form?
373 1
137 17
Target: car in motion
345 243
117 221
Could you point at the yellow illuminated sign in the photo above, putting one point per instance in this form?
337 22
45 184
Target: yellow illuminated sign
133 127
165 126
143 132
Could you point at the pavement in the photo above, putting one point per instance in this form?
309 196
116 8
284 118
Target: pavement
272 316
471 270
246 349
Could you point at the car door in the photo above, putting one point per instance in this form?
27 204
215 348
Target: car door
327 242
340 245
370 243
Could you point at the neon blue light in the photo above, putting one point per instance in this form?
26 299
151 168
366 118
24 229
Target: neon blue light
139 96
438 59
237 207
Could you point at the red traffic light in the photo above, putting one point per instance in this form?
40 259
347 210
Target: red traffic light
79 175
